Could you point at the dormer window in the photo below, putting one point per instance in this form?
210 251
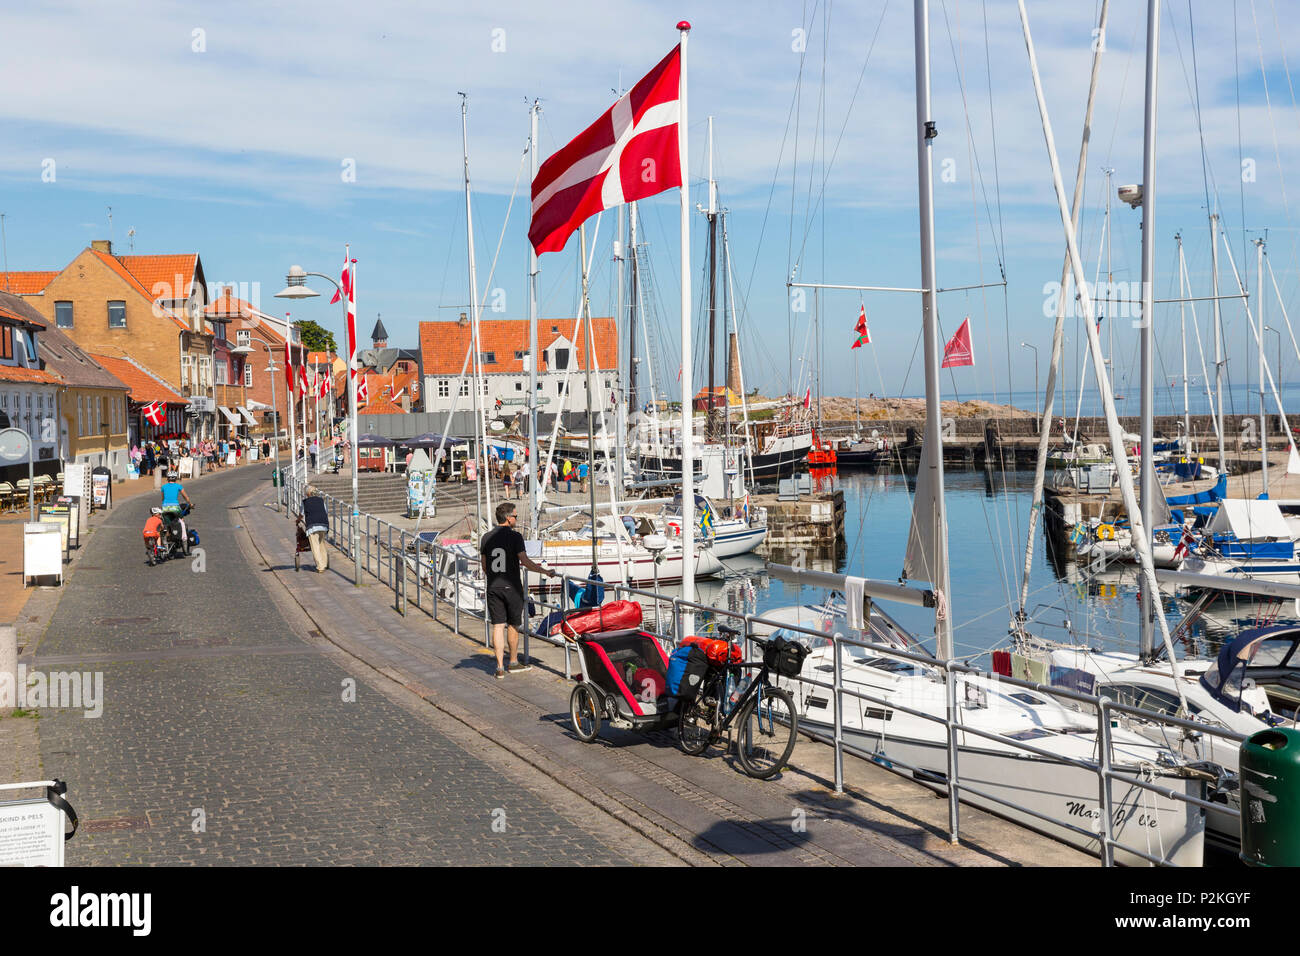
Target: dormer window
561 359
487 358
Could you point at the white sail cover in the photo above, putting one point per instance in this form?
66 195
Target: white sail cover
1250 520
923 540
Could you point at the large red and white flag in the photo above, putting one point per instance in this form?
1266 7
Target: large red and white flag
288 366
958 350
156 412
350 285
363 390
629 153
302 377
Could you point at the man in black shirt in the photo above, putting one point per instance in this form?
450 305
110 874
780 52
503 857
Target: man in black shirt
503 553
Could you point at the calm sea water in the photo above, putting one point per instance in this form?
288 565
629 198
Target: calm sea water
987 519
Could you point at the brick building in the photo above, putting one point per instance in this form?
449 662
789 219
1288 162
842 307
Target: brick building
150 308
263 336
28 395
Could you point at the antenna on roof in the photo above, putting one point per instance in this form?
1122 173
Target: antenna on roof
110 227
130 238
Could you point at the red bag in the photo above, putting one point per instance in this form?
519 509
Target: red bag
614 616
716 650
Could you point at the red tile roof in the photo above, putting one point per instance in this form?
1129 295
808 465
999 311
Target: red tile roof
141 386
380 406
171 275
25 283
443 344
12 373
228 305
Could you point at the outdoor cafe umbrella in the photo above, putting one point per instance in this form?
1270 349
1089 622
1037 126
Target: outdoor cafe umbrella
431 440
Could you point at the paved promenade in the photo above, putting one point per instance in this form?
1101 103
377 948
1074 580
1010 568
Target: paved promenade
257 714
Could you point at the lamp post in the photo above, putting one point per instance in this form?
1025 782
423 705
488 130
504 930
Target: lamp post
296 288
273 370
1026 345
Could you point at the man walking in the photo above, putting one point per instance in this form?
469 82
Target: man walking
503 553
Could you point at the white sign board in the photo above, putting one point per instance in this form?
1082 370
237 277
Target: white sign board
42 550
31 833
76 482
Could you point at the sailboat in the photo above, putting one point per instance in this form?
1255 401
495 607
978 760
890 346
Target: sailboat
1042 784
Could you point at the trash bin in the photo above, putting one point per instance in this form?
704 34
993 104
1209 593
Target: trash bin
275 477
1270 798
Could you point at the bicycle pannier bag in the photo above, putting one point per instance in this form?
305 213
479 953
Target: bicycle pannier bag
785 657
717 650
686 669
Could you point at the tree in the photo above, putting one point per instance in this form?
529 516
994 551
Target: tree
315 338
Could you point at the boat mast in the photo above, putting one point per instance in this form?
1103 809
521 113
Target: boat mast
687 415
1148 599
1259 284
535 468
1182 321
1058 332
632 403
591 421
1218 338
484 481
711 213
937 518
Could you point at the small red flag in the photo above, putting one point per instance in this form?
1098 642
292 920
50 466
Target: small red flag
807 398
363 389
958 350
861 327
288 366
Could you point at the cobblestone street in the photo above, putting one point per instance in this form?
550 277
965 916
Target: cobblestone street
225 738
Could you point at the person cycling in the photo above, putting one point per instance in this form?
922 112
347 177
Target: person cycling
153 530
172 493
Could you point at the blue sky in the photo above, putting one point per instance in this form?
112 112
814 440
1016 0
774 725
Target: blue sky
226 131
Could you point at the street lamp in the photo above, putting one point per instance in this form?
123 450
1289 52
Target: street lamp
273 369
296 288
1026 345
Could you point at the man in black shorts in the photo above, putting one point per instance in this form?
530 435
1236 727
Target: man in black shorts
503 553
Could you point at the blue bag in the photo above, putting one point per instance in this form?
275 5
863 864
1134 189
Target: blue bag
686 669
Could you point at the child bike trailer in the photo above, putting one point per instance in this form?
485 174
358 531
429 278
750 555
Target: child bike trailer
624 683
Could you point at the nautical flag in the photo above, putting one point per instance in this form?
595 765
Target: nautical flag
860 341
1185 544
864 336
744 508
288 366
958 350
706 522
807 398
629 153
156 412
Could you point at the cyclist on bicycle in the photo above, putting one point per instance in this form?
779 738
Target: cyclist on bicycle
174 512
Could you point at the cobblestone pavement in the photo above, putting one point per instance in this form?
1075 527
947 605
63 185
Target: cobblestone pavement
229 736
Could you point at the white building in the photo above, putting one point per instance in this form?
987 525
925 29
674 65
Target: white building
506 363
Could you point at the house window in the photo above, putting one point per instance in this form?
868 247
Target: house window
520 353
187 362
464 386
6 342
221 373
117 315
248 376
243 336
205 370
444 387
484 387
561 359
63 314
519 386
81 415
487 358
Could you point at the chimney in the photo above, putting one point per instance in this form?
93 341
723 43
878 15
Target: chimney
733 364
463 320
406 401
102 245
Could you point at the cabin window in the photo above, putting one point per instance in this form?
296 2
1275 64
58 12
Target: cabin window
117 315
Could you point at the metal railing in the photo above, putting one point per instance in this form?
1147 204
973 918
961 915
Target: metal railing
401 565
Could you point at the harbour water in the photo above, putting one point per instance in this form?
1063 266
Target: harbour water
987 522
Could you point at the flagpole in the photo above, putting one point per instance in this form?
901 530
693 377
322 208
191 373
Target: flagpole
534 469
351 310
293 388
688 412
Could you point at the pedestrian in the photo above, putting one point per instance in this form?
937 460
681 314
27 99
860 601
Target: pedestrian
566 473
582 474
506 478
316 523
315 451
503 553
266 449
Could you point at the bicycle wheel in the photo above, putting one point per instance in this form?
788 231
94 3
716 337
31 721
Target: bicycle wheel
768 726
694 729
585 713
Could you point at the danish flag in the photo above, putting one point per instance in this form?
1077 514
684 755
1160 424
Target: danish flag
156 412
629 153
288 367
363 390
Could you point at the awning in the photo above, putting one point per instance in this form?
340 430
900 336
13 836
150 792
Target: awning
231 416
248 416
